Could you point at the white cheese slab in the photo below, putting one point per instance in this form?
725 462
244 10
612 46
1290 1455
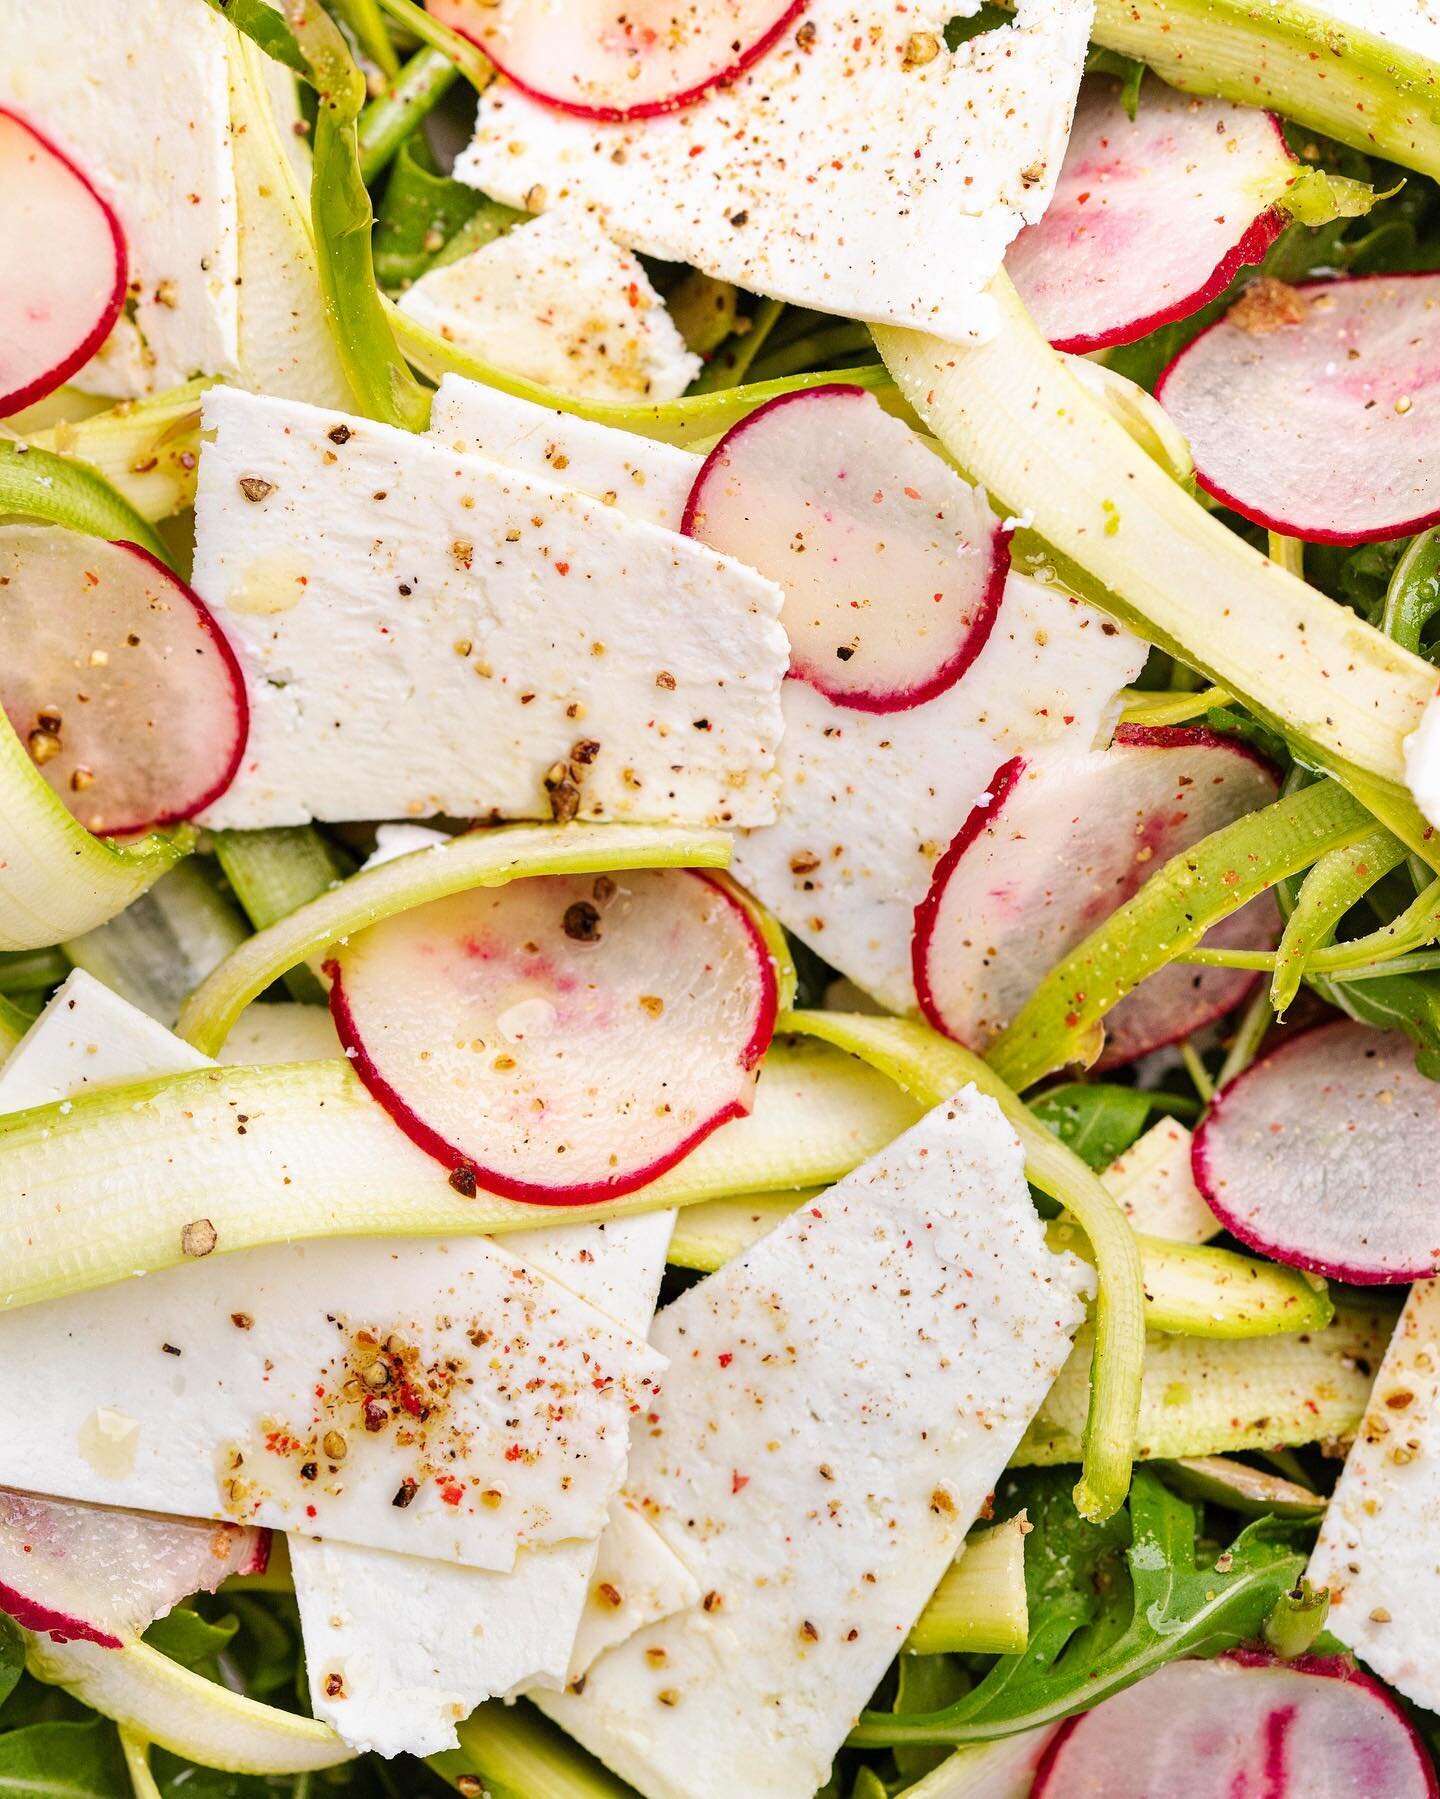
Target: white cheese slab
1379 1545
637 1580
558 301
840 1401
101 1410
869 801
644 478
858 166
1422 762
427 632
1153 1182
137 96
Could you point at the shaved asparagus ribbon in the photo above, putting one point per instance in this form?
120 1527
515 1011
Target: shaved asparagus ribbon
147 450
931 1069
101 1188
484 858
60 491
1115 527
1060 1023
981 1606
137 1765
1336 882
160 1702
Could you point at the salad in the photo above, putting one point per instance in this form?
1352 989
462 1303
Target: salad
719 899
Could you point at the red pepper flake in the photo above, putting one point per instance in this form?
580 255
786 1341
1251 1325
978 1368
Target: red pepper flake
451 1492
725 1359
738 1482
562 568
514 1453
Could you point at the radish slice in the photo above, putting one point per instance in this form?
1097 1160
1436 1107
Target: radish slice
1241 1727
565 1038
1060 842
1320 1155
94 1574
1152 217
1309 409
65 266
893 567
619 59
116 677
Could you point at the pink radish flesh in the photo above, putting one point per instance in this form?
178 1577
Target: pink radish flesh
1151 218
1321 1155
1064 839
619 59
1241 1727
1310 409
564 1038
893 567
93 1574
117 678
65 266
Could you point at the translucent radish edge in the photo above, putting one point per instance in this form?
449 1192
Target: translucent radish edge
903 699
57 376
649 109
1356 1273
1289 527
1328 1667
1001 783
1257 238
443 1151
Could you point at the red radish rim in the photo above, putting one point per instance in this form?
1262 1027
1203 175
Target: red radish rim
905 699
1288 528
30 1614
649 109
1246 1233
239 694
927 912
57 376
260 1558
1328 1667
402 1113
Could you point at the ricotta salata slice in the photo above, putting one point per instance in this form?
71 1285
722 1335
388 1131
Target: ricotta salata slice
558 301
858 166
490 621
152 133
1376 1551
869 800
374 1390
839 1403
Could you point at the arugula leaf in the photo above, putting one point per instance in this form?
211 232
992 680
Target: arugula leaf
421 212
1091 1636
191 1640
62 1761
1100 61
12 1657
1098 1120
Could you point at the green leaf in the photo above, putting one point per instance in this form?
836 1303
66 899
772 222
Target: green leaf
1100 61
421 212
62 1761
191 1640
1099 1121
1092 1633
12 1657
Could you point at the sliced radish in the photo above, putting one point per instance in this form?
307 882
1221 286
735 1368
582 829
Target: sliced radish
1310 409
1321 1153
1242 1727
1061 841
94 1574
65 266
893 567
115 675
619 59
564 1038
1152 217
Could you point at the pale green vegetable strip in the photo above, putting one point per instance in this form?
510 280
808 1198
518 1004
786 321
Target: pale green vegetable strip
980 1606
1167 917
1416 926
1170 708
56 880
520 1755
61 491
1250 1033
931 1068
1194 1289
137 1765
1336 882
707 1237
1243 1488
1016 420
274 873
148 450
471 61
689 420
485 858
1292 57
1145 420
1206 1397
184 1712
103 1190
1001 1769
